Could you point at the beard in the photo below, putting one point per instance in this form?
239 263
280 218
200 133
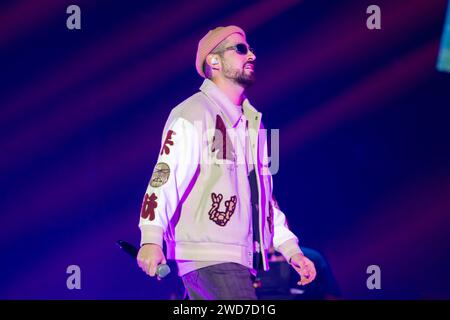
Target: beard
243 77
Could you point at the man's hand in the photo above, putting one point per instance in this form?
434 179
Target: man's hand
149 257
304 267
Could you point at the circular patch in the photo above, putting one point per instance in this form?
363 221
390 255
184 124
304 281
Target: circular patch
160 175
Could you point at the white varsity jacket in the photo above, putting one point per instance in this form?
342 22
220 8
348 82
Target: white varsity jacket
197 199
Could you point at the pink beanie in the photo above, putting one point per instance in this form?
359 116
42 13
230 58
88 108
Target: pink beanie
210 41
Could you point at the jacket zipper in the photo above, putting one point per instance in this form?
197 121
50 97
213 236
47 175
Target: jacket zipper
261 242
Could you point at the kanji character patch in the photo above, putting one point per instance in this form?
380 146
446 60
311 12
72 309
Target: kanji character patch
160 175
221 217
167 142
148 207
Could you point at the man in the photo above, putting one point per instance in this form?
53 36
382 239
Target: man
210 195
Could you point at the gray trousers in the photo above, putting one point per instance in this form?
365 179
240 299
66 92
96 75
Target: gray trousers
224 281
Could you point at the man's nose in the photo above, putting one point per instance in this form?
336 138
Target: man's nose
251 56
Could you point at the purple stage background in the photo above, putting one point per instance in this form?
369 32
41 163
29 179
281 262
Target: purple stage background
364 136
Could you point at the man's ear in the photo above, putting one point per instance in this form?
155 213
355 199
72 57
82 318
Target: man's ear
213 61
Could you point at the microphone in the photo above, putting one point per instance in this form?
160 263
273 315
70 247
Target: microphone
162 270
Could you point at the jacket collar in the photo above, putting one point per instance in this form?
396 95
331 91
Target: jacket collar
250 112
229 110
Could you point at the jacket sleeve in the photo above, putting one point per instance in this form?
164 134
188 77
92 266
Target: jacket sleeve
284 240
177 163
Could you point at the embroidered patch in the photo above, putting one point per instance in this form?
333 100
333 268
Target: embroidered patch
270 217
160 175
221 141
273 204
219 217
167 142
148 207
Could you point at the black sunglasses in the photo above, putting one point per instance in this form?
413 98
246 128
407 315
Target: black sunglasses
241 49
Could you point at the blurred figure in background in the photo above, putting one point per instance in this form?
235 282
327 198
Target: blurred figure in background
280 283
